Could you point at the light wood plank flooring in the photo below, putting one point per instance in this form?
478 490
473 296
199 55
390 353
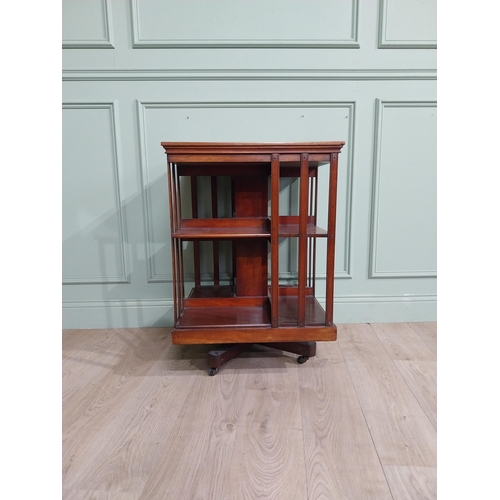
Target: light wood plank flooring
142 420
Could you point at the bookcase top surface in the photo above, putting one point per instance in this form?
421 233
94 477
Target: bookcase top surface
251 147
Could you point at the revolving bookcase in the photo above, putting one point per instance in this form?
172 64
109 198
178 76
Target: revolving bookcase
252 306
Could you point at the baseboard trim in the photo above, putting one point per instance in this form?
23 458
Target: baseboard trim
117 313
384 308
159 312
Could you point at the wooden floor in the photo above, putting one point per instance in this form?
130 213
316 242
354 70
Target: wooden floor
143 420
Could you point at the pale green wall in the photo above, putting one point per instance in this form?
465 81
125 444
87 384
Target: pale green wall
136 73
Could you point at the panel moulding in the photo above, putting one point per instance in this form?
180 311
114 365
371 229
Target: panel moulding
105 43
372 271
154 277
140 43
117 170
152 75
384 43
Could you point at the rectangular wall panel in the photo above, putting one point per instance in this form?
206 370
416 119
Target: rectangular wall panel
407 24
230 122
94 229
87 24
280 23
404 191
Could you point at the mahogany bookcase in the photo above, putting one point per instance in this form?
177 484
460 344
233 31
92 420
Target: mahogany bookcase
252 307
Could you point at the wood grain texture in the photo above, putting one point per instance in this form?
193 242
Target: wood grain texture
268 444
78 341
87 356
269 369
412 483
341 460
72 494
268 456
401 342
123 456
421 378
428 333
101 399
66 333
251 335
196 462
401 431
145 421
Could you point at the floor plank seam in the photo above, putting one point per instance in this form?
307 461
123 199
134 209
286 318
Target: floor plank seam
366 422
238 422
408 325
303 436
422 340
415 396
401 375
151 360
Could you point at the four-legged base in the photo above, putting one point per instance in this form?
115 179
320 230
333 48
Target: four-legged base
223 354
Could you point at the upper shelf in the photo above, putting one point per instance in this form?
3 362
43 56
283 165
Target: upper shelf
225 228
222 228
290 230
289 227
211 233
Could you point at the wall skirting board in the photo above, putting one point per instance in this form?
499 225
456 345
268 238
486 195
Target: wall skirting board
158 312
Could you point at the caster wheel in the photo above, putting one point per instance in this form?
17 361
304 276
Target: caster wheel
212 371
302 359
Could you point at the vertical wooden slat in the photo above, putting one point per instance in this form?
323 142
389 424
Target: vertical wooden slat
233 214
180 298
172 228
173 206
177 197
183 290
315 219
315 212
303 206
196 244
178 276
215 215
310 240
330 245
275 192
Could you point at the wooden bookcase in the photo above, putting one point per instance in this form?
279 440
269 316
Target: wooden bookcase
253 307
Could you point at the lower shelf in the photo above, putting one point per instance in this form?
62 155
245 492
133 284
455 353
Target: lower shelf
213 315
216 306
204 292
288 306
224 317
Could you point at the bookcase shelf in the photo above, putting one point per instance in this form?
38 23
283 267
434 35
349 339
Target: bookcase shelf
191 229
249 305
207 229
